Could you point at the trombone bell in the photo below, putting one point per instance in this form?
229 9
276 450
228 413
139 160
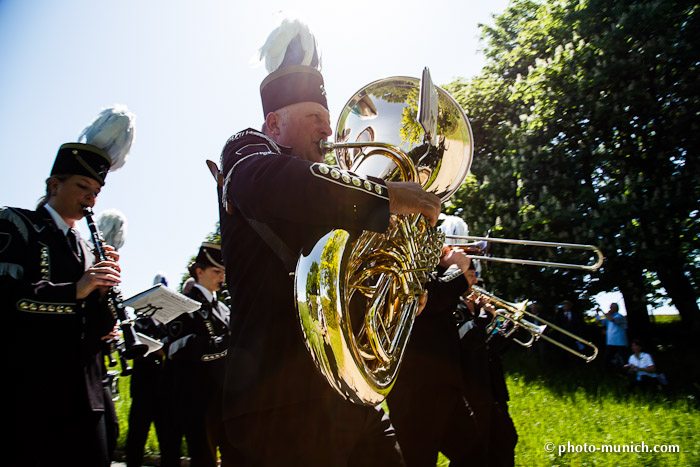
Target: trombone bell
516 312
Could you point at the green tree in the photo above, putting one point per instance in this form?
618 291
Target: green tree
587 117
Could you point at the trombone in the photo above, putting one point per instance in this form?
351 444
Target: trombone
516 314
480 245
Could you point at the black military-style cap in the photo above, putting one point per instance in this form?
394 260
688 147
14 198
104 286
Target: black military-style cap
82 159
291 85
210 255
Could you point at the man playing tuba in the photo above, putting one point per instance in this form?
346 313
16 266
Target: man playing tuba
277 199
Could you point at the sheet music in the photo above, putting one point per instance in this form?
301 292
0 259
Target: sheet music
152 344
161 303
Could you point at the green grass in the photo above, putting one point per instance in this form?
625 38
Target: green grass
572 416
579 403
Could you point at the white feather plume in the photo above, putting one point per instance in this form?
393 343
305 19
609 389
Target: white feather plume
112 225
160 279
112 131
279 40
453 225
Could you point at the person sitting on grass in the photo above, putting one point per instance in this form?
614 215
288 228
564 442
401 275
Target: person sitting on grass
643 369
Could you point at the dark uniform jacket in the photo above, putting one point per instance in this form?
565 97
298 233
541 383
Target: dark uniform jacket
201 335
146 371
433 352
56 362
194 375
268 364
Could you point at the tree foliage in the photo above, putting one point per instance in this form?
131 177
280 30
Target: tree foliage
586 126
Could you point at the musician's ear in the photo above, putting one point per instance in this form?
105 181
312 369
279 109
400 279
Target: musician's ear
52 185
272 124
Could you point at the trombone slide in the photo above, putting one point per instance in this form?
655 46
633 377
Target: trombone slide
483 241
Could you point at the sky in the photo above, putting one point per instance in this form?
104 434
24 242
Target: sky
189 72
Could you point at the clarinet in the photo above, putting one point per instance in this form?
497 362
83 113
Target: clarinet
118 346
133 347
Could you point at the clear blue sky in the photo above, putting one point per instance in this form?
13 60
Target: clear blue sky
187 70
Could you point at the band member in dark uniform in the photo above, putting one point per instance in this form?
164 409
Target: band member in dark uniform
198 341
53 293
147 390
277 199
486 388
428 404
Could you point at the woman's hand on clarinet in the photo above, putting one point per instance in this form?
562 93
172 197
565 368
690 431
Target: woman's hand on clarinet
111 254
102 275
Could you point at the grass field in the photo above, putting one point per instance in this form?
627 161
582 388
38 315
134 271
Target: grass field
577 408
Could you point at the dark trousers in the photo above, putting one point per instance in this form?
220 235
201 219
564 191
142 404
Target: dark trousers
321 433
434 419
80 439
615 355
193 411
502 437
143 412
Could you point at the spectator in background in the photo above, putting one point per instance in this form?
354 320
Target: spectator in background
615 335
643 369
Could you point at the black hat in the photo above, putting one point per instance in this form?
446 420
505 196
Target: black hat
210 255
82 159
103 146
293 61
291 85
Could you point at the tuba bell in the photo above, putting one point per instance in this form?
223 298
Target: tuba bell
357 293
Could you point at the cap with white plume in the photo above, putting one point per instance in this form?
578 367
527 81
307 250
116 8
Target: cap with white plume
103 146
293 62
112 225
453 225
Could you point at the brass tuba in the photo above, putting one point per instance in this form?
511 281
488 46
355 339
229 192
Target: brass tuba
357 293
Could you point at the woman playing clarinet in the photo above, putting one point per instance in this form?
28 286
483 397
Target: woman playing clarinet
54 293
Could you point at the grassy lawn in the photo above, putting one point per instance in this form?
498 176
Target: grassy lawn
575 406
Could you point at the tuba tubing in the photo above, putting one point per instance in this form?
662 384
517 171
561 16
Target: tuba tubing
358 293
